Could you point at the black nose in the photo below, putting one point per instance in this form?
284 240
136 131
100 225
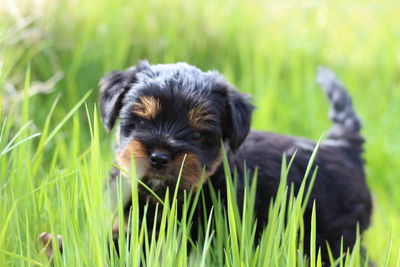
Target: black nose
159 159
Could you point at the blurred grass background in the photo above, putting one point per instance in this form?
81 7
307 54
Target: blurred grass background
270 49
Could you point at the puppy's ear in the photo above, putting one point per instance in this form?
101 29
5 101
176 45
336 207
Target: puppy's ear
113 88
238 118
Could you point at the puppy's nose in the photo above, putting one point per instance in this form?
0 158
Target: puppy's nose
159 159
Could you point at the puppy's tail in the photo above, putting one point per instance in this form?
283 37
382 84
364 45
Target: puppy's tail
346 124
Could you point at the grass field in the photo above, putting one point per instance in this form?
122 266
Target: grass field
55 154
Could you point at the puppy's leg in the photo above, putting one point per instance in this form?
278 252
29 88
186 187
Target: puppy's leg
48 245
116 185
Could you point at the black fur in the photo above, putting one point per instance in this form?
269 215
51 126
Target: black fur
237 122
342 197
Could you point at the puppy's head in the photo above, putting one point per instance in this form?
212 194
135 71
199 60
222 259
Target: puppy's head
169 111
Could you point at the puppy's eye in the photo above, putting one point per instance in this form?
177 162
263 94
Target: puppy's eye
209 140
128 125
197 135
126 129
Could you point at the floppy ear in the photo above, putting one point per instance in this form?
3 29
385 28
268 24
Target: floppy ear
239 111
113 88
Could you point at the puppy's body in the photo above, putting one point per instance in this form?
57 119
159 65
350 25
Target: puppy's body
342 197
173 111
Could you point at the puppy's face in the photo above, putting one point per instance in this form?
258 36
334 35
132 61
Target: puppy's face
173 116
160 129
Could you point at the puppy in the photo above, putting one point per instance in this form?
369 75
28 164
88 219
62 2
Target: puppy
169 112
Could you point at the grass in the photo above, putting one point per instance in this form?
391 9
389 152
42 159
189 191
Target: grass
55 155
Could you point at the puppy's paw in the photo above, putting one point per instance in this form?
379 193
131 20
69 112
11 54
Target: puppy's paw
46 238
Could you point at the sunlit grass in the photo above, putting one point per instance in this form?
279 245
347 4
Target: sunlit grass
70 202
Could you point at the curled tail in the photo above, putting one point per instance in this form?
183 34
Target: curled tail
346 124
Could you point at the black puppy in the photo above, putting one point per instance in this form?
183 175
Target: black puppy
172 110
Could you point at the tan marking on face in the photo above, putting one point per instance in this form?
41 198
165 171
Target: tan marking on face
138 151
199 117
148 107
215 165
192 170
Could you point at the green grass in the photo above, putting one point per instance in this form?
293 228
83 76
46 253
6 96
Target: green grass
55 155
